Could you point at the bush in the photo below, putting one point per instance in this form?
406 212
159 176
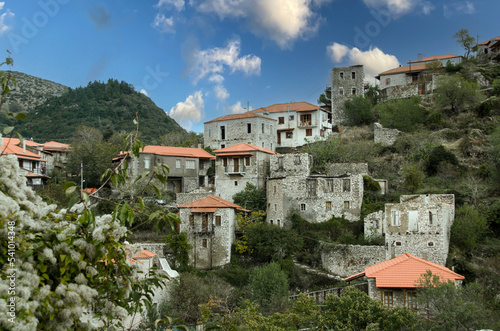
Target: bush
468 228
402 114
268 287
358 111
438 155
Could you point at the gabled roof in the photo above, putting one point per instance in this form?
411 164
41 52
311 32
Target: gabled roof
436 57
292 106
55 146
242 147
406 69
404 271
176 151
248 114
211 202
488 41
145 254
11 146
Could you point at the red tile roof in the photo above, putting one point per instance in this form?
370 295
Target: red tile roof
282 107
11 146
55 146
242 147
436 57
406 69
238 116
176 151
404 271
145 254
489 40
211 201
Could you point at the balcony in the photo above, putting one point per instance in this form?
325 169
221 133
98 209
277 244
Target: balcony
235 170
307 124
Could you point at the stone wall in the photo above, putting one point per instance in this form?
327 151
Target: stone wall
157 248
384 136
342 168
342 88
399 92
347 260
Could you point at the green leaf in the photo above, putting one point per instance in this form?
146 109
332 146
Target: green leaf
21 116
26 254
68 184
85 197
70 190
8 129
72 201
141 203
157 190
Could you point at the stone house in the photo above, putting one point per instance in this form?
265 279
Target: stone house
237 165
489 50
419 225
347 82
395 281
233 129
297 122
31 164
210 226
317 198
189 167
414 79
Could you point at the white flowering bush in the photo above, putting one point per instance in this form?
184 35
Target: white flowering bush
64 269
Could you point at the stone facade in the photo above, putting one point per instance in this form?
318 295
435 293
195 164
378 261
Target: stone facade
345 260
238 165
347 82
384 136
233 129
317 198
419 225
351 168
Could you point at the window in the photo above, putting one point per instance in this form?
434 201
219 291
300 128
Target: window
387 81
353 75
410 300
289 134
222 146
398 243
281 120
346 185
432 217
190 164
329 185
224 162
275 207
235 183
247 160
395 218
291 118
305 119
279 222
263 131
328 205
309 132
204 222
311 187
297 159
375 224
209 132
263 144
430 244
341 75
341 91
147 163
218 221
178 164
191 220
271 221
274 189
249 128
353 91
280 163
346 204
302 206
387 298
223 133
205 243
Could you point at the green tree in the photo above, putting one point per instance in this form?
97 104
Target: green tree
373 94
438 155
402 114
325 99
358 111
457 94
178 246
413 176
468 229
268 287
466 41
251 198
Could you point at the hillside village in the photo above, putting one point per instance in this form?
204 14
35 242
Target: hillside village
274 149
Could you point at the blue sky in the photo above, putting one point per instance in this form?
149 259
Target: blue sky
200 59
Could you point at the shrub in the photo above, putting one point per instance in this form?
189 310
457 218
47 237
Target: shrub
358 111
401 114
468 229
439 154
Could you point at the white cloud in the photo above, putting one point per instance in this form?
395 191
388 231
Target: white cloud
237 108
214 61
337 52
374 60
3 26
177 4
221 92
143 91
163 24
402 7
282 21
188 112
465 7
218 79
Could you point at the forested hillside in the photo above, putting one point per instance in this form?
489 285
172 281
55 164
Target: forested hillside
110 107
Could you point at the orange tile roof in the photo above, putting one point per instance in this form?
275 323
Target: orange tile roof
55 146
404 271
489 40
10 146
399 70
211 201
176 151
145 254
293 106
242 147
436 57
238 116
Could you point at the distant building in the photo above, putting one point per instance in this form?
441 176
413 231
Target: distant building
189 167
489 50
238 165
249 127
347 82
